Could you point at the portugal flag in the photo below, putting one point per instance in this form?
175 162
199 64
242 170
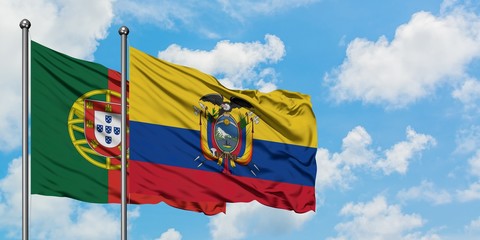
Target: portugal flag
75 133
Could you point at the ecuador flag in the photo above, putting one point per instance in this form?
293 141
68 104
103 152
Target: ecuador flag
191 139
75 132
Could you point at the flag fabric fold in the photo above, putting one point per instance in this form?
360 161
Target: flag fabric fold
75 133
191 139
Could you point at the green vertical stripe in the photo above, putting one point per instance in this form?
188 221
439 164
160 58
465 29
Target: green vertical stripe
57 168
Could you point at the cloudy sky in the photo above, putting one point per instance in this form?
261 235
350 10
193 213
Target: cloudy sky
395 88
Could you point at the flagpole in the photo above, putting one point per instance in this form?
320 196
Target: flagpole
123 31
25 26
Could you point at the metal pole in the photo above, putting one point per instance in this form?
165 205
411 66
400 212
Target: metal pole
123 31
25 26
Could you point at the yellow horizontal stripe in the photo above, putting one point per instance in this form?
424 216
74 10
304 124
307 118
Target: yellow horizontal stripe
166 94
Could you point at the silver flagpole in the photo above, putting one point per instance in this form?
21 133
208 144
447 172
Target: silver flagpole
25 26
123 31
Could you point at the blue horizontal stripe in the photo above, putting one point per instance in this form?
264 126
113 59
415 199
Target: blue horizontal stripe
180 147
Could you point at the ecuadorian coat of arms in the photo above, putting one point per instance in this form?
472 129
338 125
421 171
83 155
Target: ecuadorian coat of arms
226 131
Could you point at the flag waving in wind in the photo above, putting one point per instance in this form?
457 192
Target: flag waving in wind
76 133
191 139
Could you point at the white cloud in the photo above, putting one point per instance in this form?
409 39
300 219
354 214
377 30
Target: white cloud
169 14
89 222
243 9
355 151
425 191
471 231
236 62
411 66
468 140
420 236
170 234
470 194
163 12
398 157
448 5
473 226
53 217
11 196
73 27
134 213
331 171
468 93
378 220
266 87
337 169
245 219
474 163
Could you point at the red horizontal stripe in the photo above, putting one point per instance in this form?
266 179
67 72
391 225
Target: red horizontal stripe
201 186
114 196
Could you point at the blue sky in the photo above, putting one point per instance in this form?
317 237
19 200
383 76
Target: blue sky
394 85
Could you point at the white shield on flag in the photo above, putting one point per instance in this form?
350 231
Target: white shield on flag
107 128
103 127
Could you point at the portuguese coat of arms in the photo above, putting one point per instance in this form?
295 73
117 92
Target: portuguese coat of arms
103 127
